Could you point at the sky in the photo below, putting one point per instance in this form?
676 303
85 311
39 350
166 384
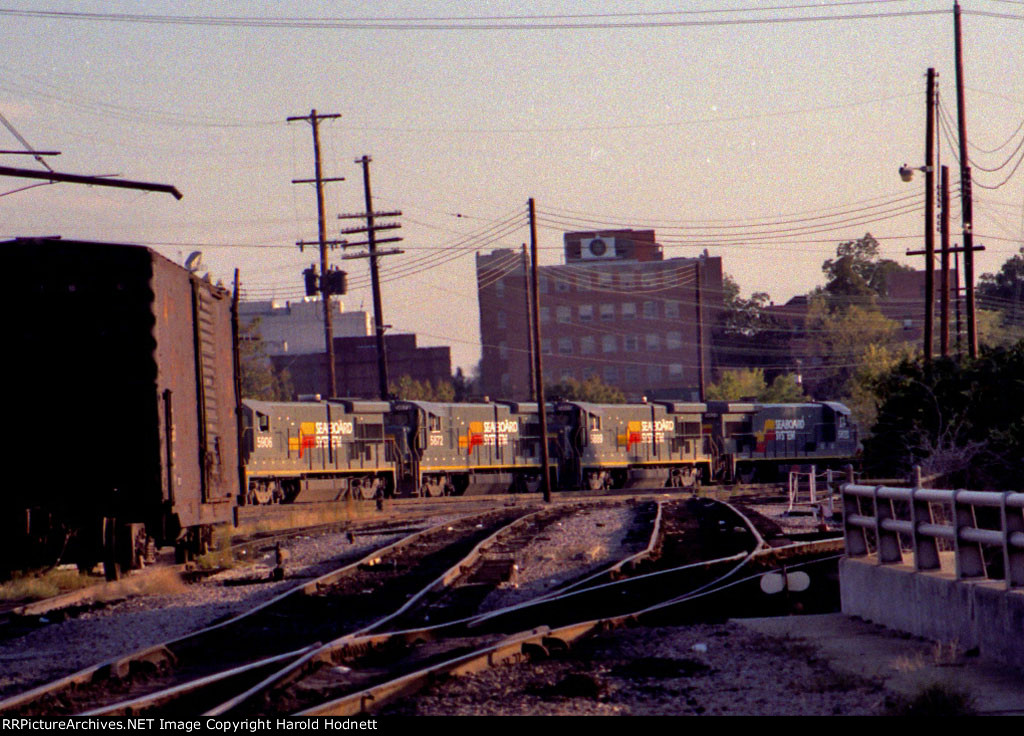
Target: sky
765 132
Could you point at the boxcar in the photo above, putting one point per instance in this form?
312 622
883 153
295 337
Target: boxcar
131 355
315 451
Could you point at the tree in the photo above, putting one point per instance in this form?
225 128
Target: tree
259 379
463 386
592 390
749 384
840 343
857 275
744 384
1004 290
785 389
960 419
741 316
408 387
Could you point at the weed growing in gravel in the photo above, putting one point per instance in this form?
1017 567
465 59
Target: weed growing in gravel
220 555
937 699
33 587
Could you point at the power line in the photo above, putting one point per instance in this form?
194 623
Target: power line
471 23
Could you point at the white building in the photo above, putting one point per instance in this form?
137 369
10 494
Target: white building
297 327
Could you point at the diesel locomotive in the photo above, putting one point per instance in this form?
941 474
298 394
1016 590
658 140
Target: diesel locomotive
318 451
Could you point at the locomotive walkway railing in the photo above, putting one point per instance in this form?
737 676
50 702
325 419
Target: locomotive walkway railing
982 531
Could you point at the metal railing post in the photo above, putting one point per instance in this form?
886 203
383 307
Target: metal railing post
1013 557
970 562
888 541
926 547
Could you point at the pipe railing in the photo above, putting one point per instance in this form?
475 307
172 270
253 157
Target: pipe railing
887 520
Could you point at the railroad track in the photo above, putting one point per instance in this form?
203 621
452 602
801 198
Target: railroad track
300 673
414 658
315 611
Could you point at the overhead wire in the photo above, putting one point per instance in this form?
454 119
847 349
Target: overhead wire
478 23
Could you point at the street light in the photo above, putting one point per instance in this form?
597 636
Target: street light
907 172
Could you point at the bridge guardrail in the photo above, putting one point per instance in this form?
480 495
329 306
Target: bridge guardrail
975 525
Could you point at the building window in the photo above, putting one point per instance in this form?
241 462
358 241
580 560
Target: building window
499 289
671 309
673 340
650 310
675 370
506 381
545 315
630 343
503 350
631 374
648 280
588 345
586 313
608 344
653 343
589 372
607 312
500 317
563 314
567 375
545 346
628 310
628 280
611 374
542 284
654 373
562 284
565 345
604 279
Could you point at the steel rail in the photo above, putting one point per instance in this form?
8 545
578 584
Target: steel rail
294 669
513 649
353 645
163 652
444 580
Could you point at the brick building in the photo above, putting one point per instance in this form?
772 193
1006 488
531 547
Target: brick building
616 309
355 360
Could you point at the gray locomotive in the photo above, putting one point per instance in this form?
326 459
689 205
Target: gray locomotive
319 451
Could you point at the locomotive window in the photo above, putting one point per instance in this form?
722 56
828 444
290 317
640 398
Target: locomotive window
737 428
595 421
263 422
370 431
435 423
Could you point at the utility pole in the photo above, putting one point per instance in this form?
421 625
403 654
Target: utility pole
373 254
538 369
966 206
944 263
530 347
929 219
699 317
314 120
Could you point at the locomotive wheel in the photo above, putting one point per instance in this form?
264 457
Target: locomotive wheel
362 490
